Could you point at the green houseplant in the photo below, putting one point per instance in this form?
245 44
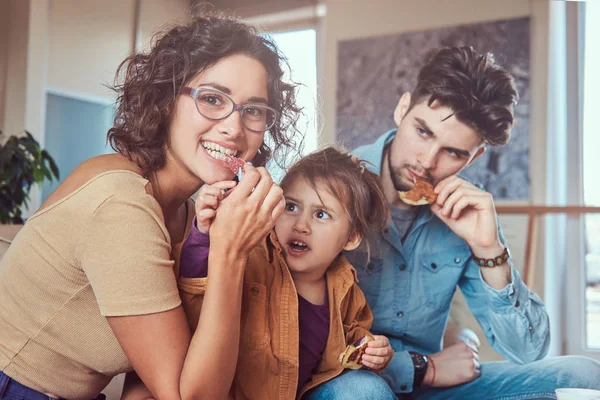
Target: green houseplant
22 163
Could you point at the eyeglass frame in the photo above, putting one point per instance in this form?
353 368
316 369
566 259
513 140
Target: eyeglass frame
195 92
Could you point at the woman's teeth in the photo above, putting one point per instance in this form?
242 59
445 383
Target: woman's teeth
217 155
217 151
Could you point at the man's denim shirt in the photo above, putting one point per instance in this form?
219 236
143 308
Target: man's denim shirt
409 287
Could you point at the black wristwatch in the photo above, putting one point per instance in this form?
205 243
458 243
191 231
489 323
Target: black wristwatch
420 363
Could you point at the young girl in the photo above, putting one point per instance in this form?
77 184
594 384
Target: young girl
301 304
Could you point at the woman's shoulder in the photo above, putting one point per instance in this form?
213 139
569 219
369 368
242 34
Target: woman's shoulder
110 167
99 178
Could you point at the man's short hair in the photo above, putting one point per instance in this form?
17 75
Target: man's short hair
480 93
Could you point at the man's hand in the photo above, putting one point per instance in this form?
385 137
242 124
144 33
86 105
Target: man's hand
454 365
470 213
377 353
208 201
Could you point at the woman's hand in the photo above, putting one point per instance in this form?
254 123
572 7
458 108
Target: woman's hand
248 213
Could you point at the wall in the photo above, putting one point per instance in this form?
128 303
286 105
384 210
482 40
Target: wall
16 67
96 36
22 72
4 12
75 131
86 42
252 8
157 14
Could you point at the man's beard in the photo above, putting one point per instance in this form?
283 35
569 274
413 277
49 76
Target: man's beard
396 174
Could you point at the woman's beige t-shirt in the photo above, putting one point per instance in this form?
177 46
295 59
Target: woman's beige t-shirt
103 250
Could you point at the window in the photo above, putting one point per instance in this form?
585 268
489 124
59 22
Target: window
591 166
300 49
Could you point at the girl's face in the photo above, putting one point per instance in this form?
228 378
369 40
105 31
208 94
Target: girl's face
314 228
201 145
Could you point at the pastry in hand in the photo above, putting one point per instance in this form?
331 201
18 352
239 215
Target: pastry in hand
352 356
421 193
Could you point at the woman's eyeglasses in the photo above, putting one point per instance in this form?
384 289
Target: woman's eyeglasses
216 105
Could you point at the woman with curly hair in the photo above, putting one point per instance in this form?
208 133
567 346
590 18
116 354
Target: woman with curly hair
88 288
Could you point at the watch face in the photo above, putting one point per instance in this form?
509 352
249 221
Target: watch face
419 361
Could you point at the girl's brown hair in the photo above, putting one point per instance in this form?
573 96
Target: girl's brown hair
152 82
348 179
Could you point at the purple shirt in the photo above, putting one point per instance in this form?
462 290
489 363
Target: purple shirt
193 262
314 331
313 319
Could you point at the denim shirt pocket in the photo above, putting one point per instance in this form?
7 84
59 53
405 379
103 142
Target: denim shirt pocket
439 274
369 279
374 266
255 325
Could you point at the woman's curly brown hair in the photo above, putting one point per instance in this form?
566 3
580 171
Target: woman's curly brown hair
152 82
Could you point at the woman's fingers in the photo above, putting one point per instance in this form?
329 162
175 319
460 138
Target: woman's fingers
262 188
272 198
247 184
278 210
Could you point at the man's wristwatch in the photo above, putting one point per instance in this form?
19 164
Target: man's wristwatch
420 363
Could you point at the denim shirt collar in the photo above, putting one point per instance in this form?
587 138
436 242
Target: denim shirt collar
373 155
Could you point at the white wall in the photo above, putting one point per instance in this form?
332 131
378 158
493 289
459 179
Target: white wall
86 42
157 14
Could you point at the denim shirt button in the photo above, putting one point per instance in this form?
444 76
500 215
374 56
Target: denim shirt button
403 387
530 327
433 265
400 314
518 303
402 267
457 260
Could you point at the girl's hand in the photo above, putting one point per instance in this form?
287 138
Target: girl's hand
207 202
378 353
